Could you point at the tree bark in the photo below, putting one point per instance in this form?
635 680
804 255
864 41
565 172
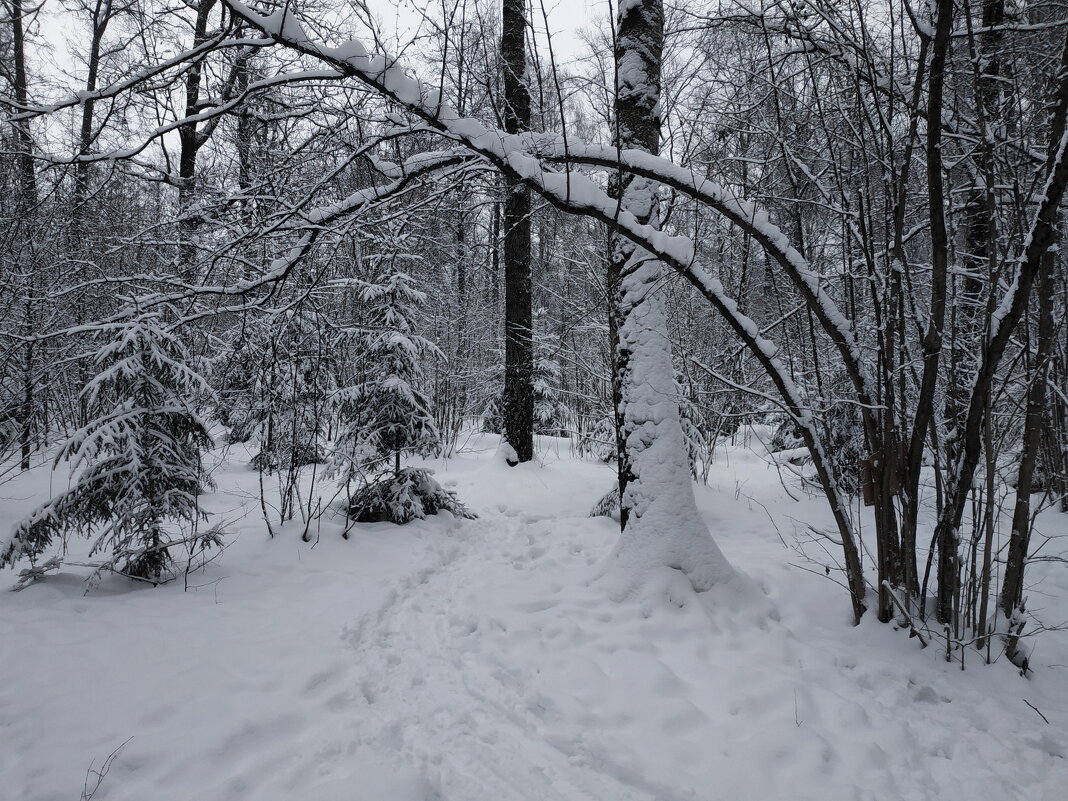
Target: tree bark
191 139
639 50
518 347
1034 420
27 202
932 340
979 222
81 245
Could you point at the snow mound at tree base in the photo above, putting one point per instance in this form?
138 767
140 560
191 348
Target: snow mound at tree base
666 546
638 568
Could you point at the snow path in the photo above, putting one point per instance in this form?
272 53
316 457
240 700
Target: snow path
500 672
481 661
442 687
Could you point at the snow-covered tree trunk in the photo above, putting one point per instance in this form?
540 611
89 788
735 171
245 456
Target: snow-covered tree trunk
1034 420
661 527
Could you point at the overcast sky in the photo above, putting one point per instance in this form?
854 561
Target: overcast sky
399 19
566 18
57 33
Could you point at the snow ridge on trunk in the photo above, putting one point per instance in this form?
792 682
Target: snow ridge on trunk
661 527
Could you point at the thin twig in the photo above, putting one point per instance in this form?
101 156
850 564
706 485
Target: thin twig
1036 710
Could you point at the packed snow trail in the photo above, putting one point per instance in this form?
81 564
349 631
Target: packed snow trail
485 660
503 670
438 687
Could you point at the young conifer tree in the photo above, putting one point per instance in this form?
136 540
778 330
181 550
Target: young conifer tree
276 391
551 415
136 468
388 415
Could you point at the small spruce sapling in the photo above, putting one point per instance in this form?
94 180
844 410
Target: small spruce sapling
287 398
551 415
135 467
387 415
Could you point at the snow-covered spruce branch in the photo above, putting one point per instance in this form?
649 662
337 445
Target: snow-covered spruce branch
578 194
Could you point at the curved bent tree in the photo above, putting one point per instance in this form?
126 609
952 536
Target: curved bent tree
545 163
884 148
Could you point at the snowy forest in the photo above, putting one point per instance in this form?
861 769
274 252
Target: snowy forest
674 410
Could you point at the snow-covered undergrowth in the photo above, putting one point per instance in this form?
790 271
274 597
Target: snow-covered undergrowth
481 660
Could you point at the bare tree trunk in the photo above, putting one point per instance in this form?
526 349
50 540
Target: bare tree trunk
1012 586
932 340
27 174
27 203
979 223
1040 238
518 345
99 20
80 244
890 434
191 139
494 280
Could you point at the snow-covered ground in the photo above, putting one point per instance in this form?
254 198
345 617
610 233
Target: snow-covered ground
482 661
